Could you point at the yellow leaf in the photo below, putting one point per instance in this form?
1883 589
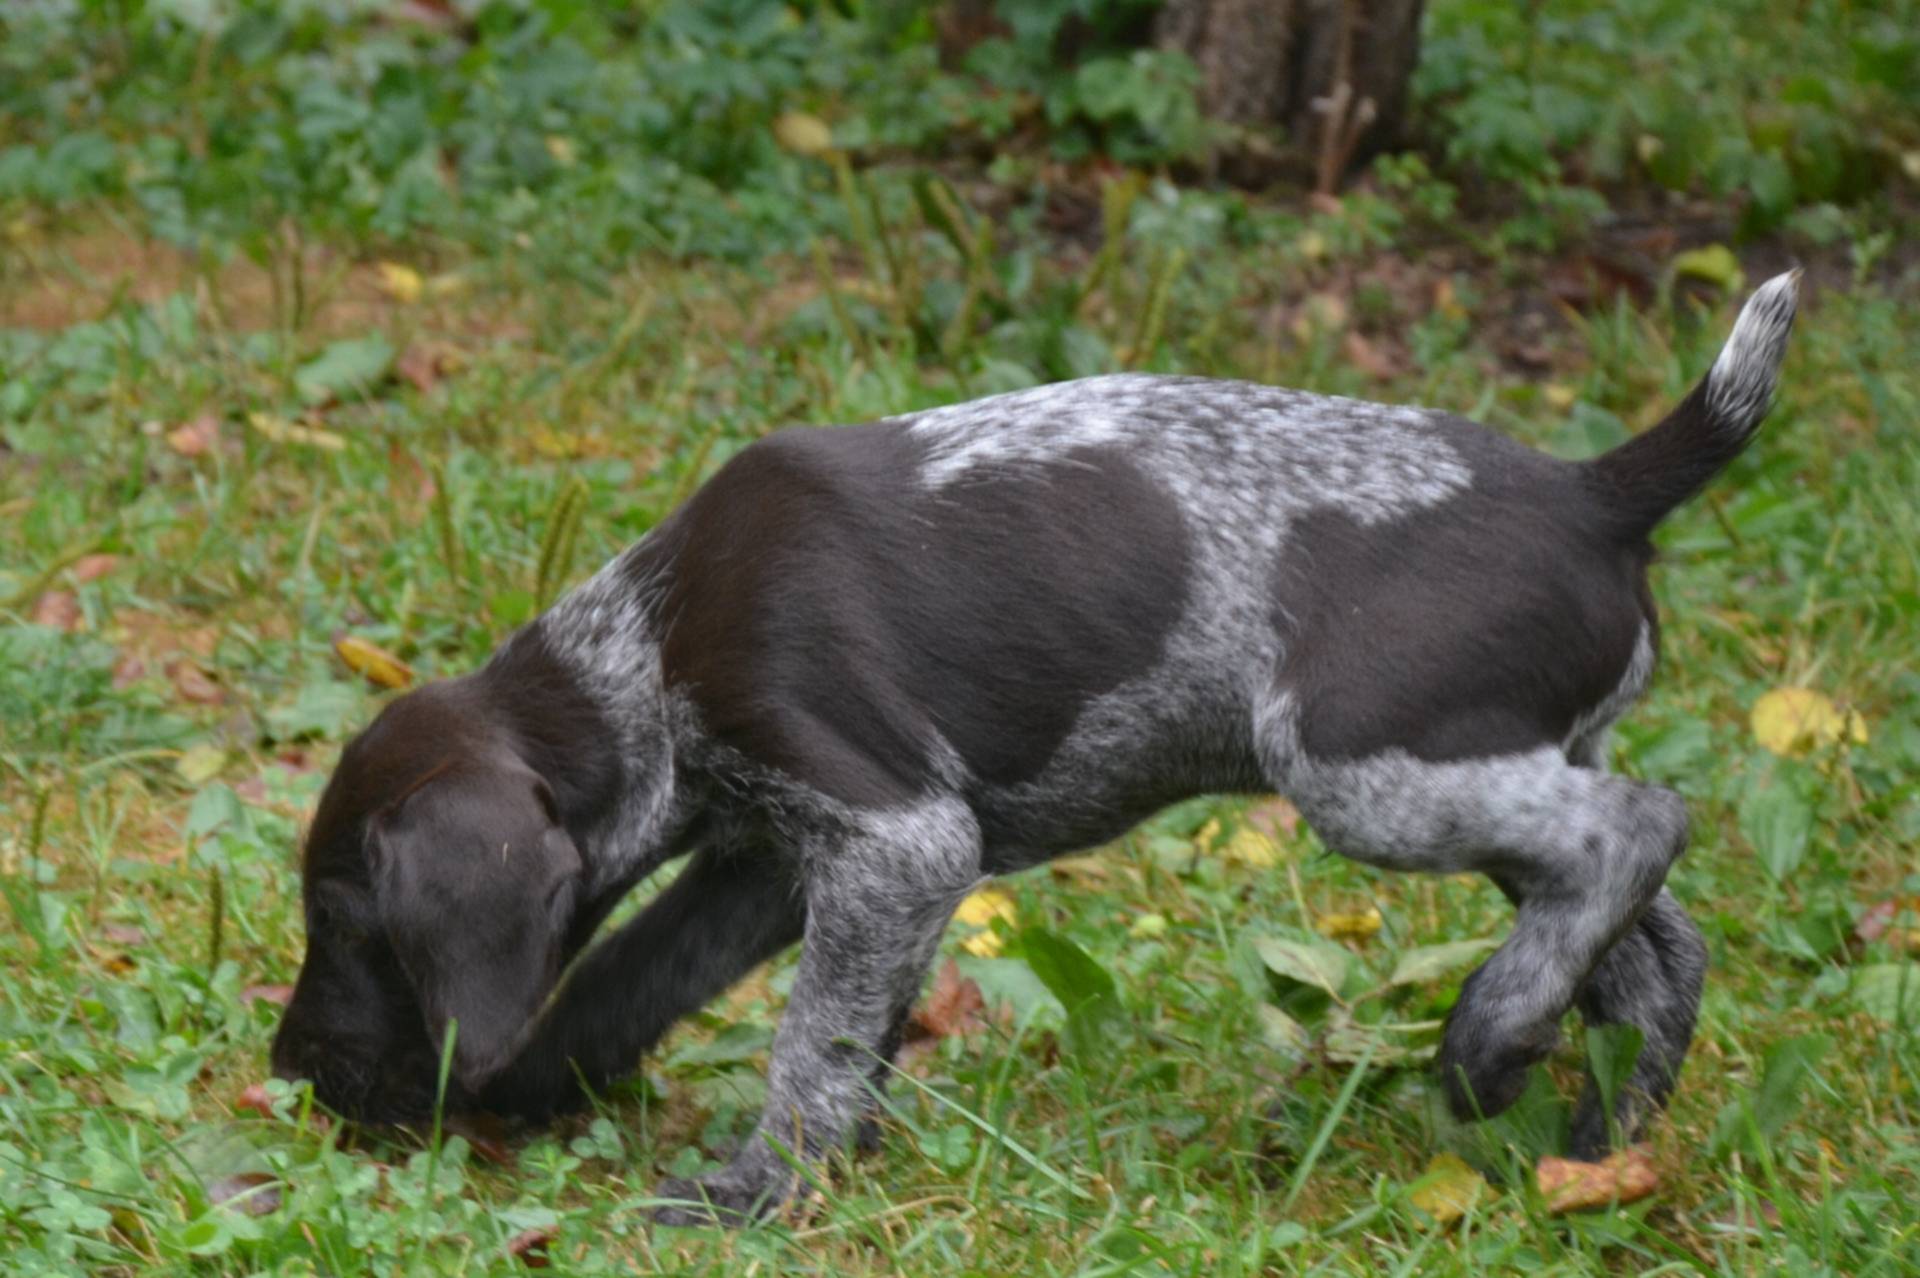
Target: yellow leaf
1571 1185
1714 263
1448 1189
282 431
1793 721
401 283
803 134
1148 926
200 764
1250 847
979 911
1349 927
374 662
1559 395
562 150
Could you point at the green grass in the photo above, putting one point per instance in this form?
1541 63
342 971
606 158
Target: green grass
1208 1120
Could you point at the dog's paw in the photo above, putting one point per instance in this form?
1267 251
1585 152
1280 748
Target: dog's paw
730 1198
1483 1062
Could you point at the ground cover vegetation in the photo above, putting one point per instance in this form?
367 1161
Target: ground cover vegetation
337 338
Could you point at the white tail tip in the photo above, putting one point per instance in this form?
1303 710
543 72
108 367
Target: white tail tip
1741 384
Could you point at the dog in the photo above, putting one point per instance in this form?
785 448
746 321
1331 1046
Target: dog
864 669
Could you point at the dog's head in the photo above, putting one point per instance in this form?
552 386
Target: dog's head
439 888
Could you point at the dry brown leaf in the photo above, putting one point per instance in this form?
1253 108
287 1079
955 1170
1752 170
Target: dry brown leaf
373 662
194 684
1623 1177
252 1193
123 934
529 1246
57 610
279 995
94 567
1275 817
1369 359
254 1100
952 1006
197 437
416 367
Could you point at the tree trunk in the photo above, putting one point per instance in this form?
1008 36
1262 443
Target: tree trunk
1334 73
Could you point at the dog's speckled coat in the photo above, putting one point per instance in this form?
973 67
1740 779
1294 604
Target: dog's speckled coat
865 668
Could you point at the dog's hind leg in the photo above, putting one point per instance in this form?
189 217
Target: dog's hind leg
1652 979
878 897
1584 854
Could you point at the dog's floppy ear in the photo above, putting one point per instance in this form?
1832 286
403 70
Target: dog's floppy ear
475 882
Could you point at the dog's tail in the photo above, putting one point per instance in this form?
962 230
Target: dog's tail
1645 478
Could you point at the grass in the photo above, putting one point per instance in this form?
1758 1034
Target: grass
418 468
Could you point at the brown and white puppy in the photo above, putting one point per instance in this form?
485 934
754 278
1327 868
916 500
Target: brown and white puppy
865 668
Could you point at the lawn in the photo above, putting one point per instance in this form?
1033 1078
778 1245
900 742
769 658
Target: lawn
371 323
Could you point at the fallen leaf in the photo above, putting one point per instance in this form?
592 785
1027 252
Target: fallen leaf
123 934
200 764
373 662
1357 926
250 1193
1148 926
57 610
1368 358
1794 721
952 1007
1276 817
1623 1177
93 567
1320 313
254 1100
1879 917
419 366
1559 395
197 437
529 1246
282 431
1448 1189
1249 846
194 684
803 134
1446 301
128 669
1714 263
979 911
400 282
562 150
278 995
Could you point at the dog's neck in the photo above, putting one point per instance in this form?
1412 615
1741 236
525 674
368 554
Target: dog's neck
582 688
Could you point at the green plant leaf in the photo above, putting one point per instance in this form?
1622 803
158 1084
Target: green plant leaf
1889 992
1779 824
346 369
1431 962
1317 963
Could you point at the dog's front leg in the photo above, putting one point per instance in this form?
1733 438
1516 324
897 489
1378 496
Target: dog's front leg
728 911
877 902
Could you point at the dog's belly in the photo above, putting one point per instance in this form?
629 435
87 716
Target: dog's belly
1169 736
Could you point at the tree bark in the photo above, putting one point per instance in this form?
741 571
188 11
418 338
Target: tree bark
1333 73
